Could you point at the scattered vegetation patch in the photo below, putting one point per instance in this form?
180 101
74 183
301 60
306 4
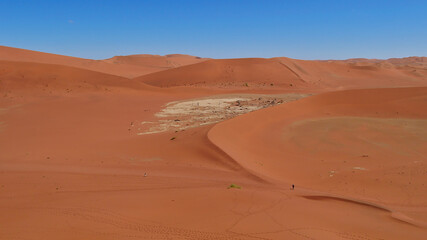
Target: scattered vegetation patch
234 186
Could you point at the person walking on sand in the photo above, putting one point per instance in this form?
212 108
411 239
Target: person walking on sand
292 187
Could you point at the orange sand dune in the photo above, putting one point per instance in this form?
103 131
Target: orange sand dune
337 75
364 144
125 66
255 72
288 73
24 79
74 167
156 61
73 164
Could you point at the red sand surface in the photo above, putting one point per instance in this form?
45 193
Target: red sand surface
73 166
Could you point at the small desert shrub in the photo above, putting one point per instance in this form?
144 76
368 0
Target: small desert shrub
234 186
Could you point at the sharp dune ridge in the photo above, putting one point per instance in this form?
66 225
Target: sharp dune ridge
393 214
182 147
288 73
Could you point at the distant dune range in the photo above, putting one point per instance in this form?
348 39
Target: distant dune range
181 147
125 66
291 74
53 78
184 70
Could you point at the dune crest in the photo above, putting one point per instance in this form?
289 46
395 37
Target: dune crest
286 73
125 66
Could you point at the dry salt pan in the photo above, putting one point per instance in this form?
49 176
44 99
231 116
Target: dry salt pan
180 115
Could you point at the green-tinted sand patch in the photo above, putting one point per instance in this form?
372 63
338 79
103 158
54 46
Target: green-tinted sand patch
234 186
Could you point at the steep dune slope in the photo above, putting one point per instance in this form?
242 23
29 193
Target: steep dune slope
368 144
126 66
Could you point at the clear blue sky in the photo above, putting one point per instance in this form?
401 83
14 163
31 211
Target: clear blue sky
317 29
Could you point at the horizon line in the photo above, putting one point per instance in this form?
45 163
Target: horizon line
166 55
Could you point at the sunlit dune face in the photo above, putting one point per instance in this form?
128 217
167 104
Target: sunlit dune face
369 157
357 136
